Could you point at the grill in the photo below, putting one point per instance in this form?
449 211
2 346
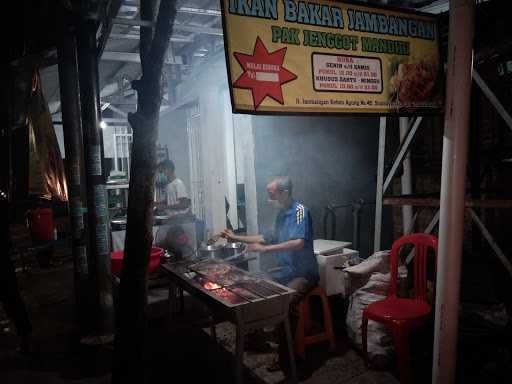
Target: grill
248 301
231 289
259 289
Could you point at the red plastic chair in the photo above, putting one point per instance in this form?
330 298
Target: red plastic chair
403 314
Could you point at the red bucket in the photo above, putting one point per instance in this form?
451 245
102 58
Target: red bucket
154 260
40 222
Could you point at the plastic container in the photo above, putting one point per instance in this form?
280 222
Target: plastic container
40 222
116 259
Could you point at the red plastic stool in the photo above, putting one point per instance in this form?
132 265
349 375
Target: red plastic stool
302 336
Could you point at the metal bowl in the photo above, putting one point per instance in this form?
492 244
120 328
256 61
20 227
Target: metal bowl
235 245
211 251
234 249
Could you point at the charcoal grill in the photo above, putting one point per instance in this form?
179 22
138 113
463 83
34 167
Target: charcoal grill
233 294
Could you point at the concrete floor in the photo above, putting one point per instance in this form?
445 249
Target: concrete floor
173 350
343 365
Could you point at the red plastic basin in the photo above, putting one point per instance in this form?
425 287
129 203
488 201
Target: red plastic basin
116 259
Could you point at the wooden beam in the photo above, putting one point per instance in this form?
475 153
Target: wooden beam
176 27
106 25
132 57
434 202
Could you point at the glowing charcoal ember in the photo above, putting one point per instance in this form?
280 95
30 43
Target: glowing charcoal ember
202 281
209 285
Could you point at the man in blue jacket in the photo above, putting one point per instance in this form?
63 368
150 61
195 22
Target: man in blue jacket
292 242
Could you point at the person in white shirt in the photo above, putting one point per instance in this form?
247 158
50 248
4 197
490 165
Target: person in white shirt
175 199
173 202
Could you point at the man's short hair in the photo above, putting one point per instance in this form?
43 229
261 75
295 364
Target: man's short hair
167 164
284 183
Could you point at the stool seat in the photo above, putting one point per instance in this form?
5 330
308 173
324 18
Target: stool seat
302 334
396 309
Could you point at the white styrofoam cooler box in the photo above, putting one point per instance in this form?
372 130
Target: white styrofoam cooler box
333 280
329 247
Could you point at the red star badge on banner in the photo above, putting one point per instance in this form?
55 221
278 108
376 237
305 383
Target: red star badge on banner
263 73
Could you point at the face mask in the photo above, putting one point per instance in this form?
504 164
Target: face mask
161 178
274 203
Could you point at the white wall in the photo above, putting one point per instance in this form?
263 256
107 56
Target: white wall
213 158
227 147
246 173
108 141
230 163
209 87
172 131
244 148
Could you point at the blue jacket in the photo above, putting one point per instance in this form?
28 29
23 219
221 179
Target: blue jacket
291 224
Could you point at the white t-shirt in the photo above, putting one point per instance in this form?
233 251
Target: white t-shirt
176 190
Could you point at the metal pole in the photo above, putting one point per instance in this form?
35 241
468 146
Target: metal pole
492 98
453 178
495 247
429 229
6 171
356 213
72 125
406 176
402 152
380 183
96 193
380 179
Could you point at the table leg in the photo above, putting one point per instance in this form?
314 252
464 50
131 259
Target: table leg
172 299
291 352
239 352
182 300
213 329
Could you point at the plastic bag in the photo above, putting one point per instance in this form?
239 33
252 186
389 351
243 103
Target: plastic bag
372 279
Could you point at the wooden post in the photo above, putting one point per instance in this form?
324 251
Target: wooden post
98 226
131 316
72 124
451 223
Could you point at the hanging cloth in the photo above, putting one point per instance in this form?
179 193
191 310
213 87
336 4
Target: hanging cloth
46 169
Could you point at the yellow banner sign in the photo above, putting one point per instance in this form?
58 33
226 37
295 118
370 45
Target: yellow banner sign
290 56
